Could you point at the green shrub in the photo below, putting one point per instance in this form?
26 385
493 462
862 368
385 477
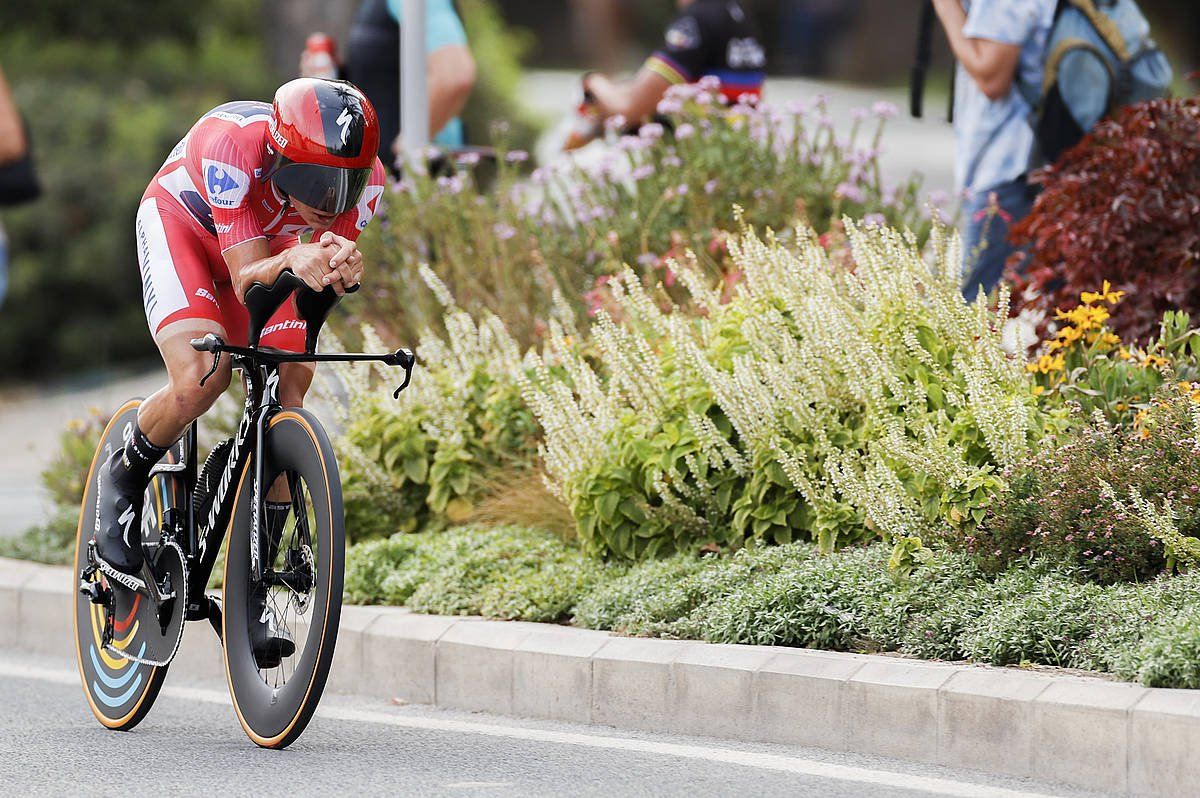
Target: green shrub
459 430
1170 653
681 608
51 542
1043 620
603 608
820 602
821 403
1118 504
504 572
103 113
371 562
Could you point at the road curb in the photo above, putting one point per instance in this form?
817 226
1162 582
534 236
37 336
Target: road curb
1082 731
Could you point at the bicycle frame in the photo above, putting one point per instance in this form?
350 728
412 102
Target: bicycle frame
200 538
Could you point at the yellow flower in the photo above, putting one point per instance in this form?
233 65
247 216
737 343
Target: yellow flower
1154 361
1123 353
1121 407
1038 390
1106 294
1195 396
1046 364
1145 433
1184 386
1140 416
1112 339
1069 335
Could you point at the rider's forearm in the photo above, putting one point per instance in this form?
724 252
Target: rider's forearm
265 270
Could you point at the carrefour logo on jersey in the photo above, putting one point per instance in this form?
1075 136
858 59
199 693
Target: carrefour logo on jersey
226 185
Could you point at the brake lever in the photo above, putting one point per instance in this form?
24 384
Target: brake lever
406 360
213 370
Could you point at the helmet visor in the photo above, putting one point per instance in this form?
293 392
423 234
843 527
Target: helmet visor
328 189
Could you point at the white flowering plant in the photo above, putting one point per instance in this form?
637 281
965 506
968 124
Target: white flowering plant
830 399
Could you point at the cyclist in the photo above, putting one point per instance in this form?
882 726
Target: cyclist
227 208
708 37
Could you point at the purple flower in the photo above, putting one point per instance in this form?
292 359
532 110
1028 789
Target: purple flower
685 131
642 172
647 259
874 220
859 114
614 122
884 109
709 83
468 158
670 105
681 189
504 231
710 186
938 197
453 184
672 160
651 131
850 191
517 156
797 107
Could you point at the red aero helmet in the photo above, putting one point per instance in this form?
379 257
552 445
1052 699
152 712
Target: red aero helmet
324 136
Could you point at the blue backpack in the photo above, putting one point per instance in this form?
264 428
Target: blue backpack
1099 58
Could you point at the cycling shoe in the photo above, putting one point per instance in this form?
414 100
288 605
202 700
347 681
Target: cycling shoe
268 640
119 529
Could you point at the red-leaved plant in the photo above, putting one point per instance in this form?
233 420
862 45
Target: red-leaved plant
1123 205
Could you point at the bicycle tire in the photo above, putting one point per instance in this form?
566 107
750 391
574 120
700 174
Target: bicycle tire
119 692
274 715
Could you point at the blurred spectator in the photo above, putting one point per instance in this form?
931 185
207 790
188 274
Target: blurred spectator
809 30
993 41
18 182
707 38
373 64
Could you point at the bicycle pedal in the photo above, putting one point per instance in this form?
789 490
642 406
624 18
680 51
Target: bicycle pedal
95 592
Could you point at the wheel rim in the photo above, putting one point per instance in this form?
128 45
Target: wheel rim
120 692
275 704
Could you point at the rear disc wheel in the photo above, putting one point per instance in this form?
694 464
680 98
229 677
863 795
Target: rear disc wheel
120 692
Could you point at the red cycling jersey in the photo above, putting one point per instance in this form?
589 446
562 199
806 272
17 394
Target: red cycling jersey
208 196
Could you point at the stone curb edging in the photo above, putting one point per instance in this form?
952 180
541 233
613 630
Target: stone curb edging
1087 732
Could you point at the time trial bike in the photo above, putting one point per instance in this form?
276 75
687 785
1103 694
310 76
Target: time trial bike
127 634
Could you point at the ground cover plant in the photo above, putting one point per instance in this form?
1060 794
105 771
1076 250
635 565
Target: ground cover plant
792 595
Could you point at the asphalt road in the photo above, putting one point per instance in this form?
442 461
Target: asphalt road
191 744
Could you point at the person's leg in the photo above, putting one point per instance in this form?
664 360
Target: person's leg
180 304
988 217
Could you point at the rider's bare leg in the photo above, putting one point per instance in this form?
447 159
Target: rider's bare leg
166 414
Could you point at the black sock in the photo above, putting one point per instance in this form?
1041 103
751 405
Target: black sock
131 471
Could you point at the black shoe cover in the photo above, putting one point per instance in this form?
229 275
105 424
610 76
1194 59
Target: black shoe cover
269 641
119 518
